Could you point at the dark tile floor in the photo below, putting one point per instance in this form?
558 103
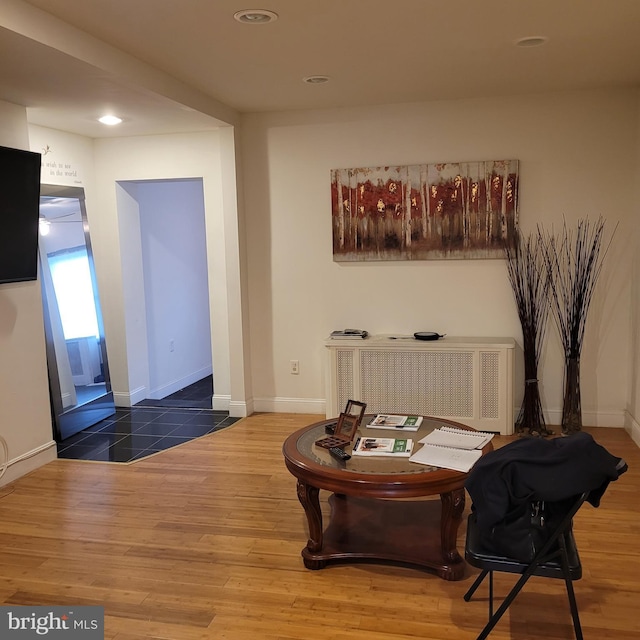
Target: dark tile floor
140 431
195 396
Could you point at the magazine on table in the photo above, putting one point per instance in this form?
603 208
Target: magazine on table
394 447
392 421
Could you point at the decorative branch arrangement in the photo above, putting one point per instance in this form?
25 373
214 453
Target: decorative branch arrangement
573 262
530 283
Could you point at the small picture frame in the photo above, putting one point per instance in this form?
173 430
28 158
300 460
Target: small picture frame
355 408
345 430
347 426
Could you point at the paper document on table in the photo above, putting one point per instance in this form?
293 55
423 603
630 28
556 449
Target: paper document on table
446 457
457 438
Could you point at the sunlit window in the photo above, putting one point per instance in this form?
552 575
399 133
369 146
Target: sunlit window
74 292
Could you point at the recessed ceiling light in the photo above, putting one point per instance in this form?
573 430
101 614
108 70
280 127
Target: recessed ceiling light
255 16
316 79
531 41
110 120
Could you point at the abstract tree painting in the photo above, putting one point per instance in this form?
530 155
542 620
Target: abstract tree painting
425 212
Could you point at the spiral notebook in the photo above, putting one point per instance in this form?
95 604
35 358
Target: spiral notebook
457 438
451 448
436 455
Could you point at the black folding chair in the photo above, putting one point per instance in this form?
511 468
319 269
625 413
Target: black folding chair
558 558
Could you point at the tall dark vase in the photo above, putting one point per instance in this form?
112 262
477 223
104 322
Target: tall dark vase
571 405
530 283
530 419
574 261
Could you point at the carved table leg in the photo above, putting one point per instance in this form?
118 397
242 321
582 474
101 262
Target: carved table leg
452 509
309 499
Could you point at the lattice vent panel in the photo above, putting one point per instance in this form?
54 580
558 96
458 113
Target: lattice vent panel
489 385
344 361
425 383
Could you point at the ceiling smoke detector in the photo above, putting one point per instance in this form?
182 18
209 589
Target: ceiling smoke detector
255 16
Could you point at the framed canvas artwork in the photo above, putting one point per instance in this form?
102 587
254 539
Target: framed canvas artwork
424 212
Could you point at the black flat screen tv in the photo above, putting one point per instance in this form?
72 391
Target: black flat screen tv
19 214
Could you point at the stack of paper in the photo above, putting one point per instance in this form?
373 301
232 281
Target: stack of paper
451 448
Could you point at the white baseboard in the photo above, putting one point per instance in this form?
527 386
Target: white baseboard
30 461
236 409
615 419
239 409
633 428
124 399
128 399
290 405
167 389
220 402
68 400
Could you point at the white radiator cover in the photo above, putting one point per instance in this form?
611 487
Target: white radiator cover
469 380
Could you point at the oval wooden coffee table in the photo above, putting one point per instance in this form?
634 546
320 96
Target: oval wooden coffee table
380 506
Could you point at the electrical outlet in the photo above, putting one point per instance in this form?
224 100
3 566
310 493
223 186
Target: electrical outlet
172 345
294 367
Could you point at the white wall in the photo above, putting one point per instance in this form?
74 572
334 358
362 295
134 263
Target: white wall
174 259
578 158
130 328
180 156
633 407
25 419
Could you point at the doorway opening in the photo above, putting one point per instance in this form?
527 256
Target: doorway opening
164 261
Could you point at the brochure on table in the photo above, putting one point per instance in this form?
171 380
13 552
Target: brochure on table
395 422
393 447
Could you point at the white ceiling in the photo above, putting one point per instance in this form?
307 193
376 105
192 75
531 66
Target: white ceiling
187 65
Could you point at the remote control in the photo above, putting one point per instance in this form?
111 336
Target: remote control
339 454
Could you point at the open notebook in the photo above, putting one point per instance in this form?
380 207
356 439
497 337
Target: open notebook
451 448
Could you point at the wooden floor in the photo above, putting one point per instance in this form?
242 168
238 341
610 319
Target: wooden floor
203 541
